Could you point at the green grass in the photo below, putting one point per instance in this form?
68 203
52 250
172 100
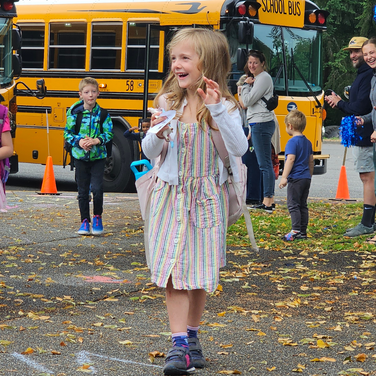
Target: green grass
327 224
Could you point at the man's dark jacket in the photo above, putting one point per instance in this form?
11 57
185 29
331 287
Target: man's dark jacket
359 102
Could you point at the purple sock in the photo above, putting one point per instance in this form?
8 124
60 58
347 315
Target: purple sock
180 340
192 331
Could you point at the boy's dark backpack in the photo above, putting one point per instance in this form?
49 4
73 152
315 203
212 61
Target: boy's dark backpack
4 163
68 146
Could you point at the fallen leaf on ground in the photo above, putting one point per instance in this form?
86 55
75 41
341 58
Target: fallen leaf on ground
28 351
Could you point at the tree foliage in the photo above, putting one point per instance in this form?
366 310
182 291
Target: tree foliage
347 18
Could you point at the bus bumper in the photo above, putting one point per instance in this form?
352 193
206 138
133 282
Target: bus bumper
319 160
320 166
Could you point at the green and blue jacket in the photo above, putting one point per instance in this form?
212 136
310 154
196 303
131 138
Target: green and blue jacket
90 126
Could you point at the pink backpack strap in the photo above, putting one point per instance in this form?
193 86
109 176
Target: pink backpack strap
221 149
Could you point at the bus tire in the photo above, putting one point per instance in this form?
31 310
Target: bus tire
118 176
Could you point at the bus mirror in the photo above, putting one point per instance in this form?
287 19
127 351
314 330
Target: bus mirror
17 65
245 32
16 39
241 58
41 87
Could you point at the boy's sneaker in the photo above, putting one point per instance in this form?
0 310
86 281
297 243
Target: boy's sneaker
97 228
85 228
195 349
178 362
301 236
292 235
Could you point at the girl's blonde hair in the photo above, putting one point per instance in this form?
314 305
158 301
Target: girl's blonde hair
214 63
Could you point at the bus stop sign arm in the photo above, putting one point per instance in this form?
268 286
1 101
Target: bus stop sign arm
40 93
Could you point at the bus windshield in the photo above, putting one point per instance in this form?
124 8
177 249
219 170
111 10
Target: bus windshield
292 53
6 73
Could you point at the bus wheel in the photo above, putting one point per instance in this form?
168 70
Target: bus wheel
118 176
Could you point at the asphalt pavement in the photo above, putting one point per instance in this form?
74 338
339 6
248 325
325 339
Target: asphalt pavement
72 305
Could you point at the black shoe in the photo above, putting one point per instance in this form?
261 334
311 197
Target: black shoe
253 202
195 350
301 236
178 362
268 209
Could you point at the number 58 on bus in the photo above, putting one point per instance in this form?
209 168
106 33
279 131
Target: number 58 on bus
122 45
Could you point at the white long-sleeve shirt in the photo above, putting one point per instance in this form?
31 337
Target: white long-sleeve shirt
228 123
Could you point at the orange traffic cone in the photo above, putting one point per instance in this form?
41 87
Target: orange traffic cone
49 183
343 188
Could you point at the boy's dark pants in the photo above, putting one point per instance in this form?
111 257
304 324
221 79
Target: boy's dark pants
297 195
90 175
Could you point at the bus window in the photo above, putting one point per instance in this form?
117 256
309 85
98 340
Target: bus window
304 50
106 46
32 46
67 45
303 57
136 47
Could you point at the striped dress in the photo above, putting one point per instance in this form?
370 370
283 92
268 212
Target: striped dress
188 221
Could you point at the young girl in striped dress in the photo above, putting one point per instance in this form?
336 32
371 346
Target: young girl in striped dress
189 205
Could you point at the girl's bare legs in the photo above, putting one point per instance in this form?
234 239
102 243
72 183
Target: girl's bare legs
177 302
197 300
184 307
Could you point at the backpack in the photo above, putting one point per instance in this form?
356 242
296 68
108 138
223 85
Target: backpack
4 163
68 146
271 103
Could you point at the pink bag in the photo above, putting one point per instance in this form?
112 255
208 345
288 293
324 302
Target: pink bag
145 184
235 199
237 190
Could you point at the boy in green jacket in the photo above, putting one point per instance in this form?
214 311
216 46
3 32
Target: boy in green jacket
89 152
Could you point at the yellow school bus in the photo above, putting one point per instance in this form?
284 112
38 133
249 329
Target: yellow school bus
122 45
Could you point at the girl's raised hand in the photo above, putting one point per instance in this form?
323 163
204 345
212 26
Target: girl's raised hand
212 95
156 119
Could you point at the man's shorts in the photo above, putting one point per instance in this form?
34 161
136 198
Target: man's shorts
363 158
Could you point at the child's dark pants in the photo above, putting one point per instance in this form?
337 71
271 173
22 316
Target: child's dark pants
297 195
90 175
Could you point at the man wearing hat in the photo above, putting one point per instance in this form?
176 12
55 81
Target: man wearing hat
359 104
